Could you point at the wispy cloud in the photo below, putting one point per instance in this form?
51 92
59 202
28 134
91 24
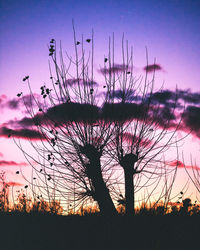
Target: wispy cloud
18 102
73 81
4 163
116 68
180 164
21 133
152 67
14 184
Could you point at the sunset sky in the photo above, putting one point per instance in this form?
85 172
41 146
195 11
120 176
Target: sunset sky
169 29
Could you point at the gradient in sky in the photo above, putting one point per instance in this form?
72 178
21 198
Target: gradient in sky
169 29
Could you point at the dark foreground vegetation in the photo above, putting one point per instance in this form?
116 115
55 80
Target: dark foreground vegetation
145 232
35 224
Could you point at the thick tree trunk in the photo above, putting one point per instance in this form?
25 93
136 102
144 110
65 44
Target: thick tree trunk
94 173
128 162
129 193
102 195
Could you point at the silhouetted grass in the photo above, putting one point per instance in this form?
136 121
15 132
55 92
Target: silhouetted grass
28 231
29 225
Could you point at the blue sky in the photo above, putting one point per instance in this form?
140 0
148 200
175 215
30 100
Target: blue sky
169 29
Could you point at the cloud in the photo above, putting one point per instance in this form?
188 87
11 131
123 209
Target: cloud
128 95
21 133
160 111
69 112
164 116
152 67
180 164
17 103
189 97
73 112
62 113
122 111
4 163
168 97
1 154
14 184
191 118
163 97
73 81
116 68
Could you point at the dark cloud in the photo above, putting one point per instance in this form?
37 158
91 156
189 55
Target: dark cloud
166 116
34 121
168 97
69 112
191 117
117 68
128 95
189 97
152 67
160 111
80 81
162 97
21 133
122 111
73 112
4 163
25 122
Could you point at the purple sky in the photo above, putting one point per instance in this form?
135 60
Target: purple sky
168 28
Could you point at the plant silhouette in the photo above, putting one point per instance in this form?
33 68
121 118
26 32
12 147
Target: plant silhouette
85 134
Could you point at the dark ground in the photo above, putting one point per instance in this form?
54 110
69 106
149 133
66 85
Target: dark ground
98 233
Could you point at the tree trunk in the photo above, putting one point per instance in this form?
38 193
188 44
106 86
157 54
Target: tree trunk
102 194
127 162
129 192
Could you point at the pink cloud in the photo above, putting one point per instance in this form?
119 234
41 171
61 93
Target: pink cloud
180 164
14 184
4 163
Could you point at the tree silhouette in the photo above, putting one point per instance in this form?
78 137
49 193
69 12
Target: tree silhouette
144 129
86 128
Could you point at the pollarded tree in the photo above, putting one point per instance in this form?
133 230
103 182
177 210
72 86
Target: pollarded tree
83 129
73 131
145 125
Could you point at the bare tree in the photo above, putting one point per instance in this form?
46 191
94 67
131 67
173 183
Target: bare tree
84 131
144 130
73 133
